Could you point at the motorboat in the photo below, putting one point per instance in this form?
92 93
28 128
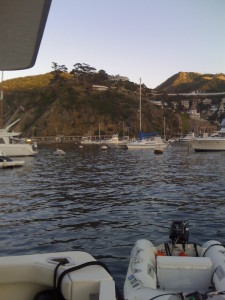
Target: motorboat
177 269
87 140
149 143
12 145
114 141
214 142
187 138
64 275
123 143
7 162
59 152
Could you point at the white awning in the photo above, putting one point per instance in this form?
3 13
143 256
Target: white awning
22 24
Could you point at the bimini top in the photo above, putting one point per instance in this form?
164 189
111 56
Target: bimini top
22 24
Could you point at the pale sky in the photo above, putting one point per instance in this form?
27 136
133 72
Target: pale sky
148 39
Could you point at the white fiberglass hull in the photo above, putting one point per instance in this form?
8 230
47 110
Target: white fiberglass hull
23 277
145 145
17 149
208 144
11 164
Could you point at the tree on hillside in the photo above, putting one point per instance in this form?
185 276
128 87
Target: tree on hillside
103 76
82 71
57 73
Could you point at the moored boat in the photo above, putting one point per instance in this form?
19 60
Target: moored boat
215 142
187 138
148 143
176 270
11 145
59 152
113 141
7 162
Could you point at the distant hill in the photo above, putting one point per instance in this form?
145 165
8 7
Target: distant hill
68 106
184 82
61 103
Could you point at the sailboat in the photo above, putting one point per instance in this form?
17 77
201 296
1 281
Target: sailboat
147 141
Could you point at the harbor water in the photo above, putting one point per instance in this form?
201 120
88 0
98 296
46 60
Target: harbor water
101 202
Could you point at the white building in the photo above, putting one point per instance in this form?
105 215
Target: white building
207 101
185 103
157 102
222 106
95 87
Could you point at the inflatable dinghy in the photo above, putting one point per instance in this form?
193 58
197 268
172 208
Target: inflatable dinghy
65 275
176 270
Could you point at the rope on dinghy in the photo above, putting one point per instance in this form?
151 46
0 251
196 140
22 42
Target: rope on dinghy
57 286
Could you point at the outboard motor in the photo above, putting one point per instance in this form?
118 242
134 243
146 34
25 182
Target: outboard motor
179 232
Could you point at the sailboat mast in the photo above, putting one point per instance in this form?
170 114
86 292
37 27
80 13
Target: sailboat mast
1 101
140 105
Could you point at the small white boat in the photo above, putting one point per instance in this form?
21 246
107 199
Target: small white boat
113 141
104 147
59 152
87 140
176 270
7 162
187 138
64 275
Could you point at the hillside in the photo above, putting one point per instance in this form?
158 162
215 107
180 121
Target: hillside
189 81
64 105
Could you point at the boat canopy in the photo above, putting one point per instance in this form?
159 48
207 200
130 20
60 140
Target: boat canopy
22 25
147 135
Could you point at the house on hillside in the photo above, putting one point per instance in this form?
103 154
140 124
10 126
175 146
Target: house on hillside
193 111
222 107
207 101
95 87
185 103
118 77
157 102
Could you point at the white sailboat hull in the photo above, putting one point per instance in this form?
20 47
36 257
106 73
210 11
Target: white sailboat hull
147 144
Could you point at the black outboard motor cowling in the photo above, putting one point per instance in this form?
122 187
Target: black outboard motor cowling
179 232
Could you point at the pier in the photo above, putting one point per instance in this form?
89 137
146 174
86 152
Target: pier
65 139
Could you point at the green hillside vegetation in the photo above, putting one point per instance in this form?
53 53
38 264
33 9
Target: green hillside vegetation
62 103
189 81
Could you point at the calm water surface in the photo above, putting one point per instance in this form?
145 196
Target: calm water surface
103 201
